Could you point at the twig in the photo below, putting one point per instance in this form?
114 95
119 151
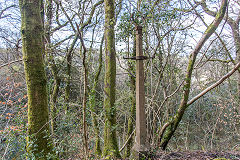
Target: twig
169 97
5 151
3 65
2 11
127 140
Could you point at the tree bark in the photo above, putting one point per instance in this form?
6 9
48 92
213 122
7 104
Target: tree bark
38 140
85 95
132 116
69 68
93 104
110 139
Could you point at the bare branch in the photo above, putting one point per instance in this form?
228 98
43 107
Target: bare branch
127 140
214 85
207 10
3 65
2 11
91 15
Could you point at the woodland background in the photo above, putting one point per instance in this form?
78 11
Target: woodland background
75 68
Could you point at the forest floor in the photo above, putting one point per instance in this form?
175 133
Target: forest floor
198 155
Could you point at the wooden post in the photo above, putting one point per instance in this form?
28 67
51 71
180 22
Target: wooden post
140 145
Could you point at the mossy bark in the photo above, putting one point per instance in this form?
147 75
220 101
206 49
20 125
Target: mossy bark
38 141
69 68
131 118
85 96
93 104
68 80
54 96
168 132
110 139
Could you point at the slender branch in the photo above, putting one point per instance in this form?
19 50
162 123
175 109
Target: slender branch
69 19
169 96
232 24
207 10
127 140
62 25
85 91
3 65
220 60
163 130
238 19
62 41
2 11
91 14
214 85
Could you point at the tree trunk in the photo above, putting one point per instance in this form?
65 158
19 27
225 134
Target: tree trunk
38 141
171 126
85 96
68 78
110 139
131 118
52 64
93 104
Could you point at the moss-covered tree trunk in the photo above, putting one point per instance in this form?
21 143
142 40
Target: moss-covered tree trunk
110 139
94 103
68 78
131 119
38 142
54 96
170 127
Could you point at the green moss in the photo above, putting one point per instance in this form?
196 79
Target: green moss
131 118
210 28
110 139
53 103
38 141
219 16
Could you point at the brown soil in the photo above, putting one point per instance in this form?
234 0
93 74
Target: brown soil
197 155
